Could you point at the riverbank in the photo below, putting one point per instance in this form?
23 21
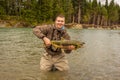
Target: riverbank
14 24
91 26
19 24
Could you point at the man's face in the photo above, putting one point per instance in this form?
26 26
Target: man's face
59 22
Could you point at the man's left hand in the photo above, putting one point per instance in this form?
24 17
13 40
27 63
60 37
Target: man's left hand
70 47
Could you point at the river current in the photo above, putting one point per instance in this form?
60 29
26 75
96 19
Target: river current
99 59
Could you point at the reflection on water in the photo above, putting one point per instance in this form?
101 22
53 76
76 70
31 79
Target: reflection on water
20 52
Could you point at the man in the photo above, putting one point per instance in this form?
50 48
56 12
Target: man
53 59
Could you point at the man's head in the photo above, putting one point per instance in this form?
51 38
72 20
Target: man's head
59 21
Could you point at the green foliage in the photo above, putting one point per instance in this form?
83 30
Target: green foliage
42 11
104 12
28 15
2 10
113 13
86 18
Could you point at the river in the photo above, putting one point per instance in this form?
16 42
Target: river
99 59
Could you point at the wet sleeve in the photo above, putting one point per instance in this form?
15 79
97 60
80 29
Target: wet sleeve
40 31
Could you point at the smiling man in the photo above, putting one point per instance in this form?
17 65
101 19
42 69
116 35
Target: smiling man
53 59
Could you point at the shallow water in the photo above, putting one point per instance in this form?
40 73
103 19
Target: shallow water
20 53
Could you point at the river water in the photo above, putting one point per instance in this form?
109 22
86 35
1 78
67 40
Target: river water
99 59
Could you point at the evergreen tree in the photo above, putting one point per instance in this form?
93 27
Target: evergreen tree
104 16
94 11
78 11
86 12
106 4
113 14
68 10
57 8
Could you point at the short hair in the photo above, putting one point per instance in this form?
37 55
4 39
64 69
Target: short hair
59 15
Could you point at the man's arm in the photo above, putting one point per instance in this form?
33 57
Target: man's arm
40 32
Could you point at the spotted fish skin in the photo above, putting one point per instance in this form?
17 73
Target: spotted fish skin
64 43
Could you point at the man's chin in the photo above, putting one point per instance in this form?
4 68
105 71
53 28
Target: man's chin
59 27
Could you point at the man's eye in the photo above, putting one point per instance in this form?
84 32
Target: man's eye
60 21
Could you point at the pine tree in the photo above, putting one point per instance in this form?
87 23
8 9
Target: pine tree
86 10
68 10
106 4
94 8
113 14
104 16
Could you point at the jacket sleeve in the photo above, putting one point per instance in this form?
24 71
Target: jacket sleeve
40 31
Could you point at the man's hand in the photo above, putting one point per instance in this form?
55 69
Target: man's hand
70 47
46 41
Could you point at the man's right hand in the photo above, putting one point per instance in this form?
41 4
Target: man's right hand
47 41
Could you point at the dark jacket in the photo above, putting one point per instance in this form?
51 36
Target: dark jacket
51 32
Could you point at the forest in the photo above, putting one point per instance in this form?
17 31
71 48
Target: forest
34 12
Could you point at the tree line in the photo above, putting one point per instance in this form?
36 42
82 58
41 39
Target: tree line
75 11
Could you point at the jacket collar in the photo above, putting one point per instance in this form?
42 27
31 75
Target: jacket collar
61 29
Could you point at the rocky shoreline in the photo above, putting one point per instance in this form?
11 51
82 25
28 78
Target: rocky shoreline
91 26
19 24
14 24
